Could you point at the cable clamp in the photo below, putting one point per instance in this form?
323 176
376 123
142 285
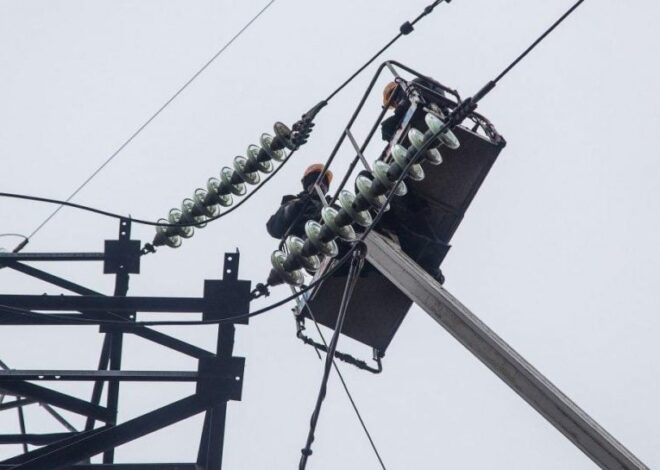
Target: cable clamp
306 451
406 28
147 248
261 290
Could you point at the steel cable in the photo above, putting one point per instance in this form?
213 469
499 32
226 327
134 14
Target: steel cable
153 116
356 265
348 393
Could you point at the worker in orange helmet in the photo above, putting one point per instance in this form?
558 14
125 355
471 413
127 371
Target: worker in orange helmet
393 98
295 211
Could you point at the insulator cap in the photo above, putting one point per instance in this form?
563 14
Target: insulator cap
266 142
202 203
434 156
175 218
163 238
400 156
240 166
283 136
190 214
294 246
226 176
313 232
329 215
262 165
380 172
447 137
214 186
364 188
346 200
277 260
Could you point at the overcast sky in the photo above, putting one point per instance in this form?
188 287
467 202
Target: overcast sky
558 254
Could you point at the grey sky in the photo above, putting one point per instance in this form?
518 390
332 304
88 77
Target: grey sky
559 253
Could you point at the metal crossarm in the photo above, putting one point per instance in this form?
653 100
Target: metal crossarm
218 377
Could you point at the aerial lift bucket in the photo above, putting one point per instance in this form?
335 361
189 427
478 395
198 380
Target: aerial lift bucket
377 307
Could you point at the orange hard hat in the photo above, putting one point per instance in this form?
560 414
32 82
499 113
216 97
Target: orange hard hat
318 168
388 93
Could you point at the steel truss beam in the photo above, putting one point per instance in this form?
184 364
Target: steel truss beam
218 377
499 357
125 466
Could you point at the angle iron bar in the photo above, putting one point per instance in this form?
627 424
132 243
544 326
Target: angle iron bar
11 257
33 439
58 399
97 390
36 453
167 341
116 337
105 375
124 466
51 279
10 405
114 303
21 424
60 419
9 317
114 436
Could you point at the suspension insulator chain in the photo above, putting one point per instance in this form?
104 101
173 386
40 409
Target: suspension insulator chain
206 203
320 237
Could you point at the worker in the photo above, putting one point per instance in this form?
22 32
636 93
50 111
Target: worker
295 211
394 97
408 223
408 218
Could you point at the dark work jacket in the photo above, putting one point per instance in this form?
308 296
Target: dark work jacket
390 125
294 212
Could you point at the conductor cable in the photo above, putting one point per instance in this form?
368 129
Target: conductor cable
356 265
148 121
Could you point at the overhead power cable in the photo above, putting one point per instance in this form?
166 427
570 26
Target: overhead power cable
348 392
113 215
455 117
152 117
356 265
383 185
229 319
405 29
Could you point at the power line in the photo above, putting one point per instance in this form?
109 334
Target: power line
405 29
229 319
142 221
463 109
348 393
153 116
356 265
